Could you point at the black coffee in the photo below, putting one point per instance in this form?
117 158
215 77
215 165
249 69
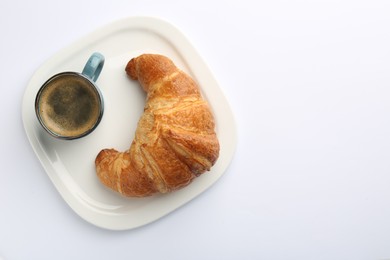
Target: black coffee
69 105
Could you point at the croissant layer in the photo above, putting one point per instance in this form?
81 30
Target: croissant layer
175 139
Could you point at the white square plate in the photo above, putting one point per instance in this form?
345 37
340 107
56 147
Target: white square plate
70 164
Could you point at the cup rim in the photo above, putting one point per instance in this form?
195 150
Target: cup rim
70 137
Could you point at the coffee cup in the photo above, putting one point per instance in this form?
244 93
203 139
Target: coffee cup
69 105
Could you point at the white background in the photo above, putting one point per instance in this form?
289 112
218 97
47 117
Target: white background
309 84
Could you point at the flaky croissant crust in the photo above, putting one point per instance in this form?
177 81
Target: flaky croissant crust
175 140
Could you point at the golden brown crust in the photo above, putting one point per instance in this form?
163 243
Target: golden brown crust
175 140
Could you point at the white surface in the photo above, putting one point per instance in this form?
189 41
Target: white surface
308 82
70 164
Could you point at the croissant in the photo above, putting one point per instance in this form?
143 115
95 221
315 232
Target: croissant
175 139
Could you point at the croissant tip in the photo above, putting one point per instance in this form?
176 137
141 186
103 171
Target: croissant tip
130 69
102 154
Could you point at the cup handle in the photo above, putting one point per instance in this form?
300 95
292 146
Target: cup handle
94 66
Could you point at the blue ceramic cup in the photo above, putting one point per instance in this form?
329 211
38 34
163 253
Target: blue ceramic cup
69 105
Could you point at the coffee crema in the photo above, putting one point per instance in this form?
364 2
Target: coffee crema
69 105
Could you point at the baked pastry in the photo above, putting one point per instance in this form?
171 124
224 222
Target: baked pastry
175 140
